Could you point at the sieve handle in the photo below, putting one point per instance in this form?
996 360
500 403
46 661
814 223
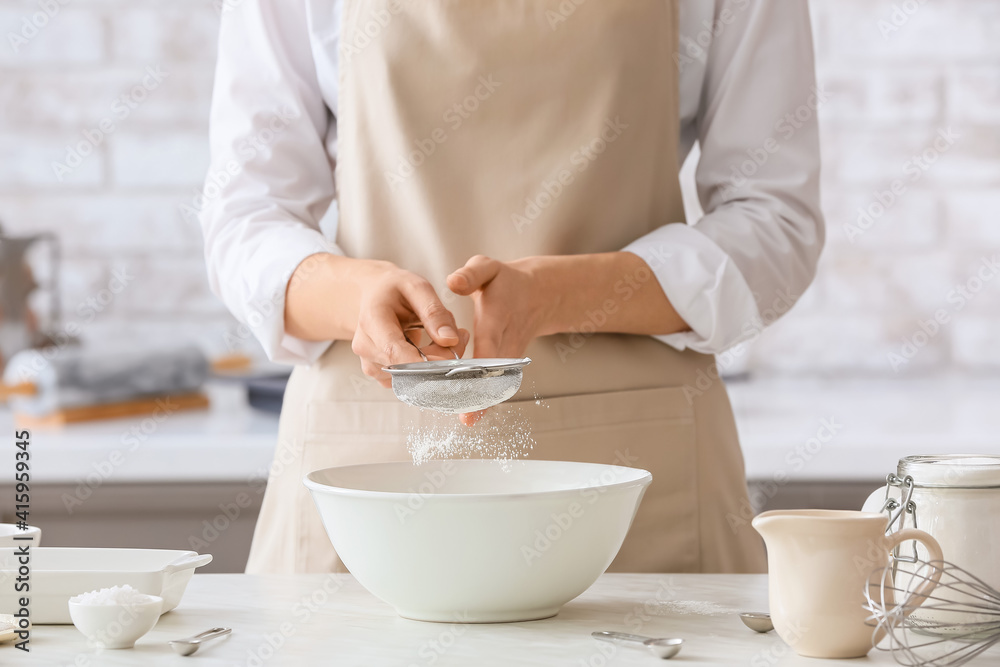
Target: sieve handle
420 327
472 368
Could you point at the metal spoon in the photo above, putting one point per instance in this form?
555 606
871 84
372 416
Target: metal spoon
664 648
189 645
758 621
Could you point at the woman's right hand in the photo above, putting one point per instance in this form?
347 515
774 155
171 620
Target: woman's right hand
371 303
392 300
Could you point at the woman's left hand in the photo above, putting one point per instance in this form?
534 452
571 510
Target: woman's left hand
510 307
537 296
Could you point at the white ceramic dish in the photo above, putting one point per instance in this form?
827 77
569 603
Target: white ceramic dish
474 540
57 574
8 628
115 625
9 531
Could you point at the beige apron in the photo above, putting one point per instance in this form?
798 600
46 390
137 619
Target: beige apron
515 128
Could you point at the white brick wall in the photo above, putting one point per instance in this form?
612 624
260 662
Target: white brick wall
891 92
118 210
69 35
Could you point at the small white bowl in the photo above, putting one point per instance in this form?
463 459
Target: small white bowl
115 626
9 531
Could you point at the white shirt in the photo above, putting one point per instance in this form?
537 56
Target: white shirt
747 96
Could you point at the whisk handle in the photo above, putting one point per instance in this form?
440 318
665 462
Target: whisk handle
918 596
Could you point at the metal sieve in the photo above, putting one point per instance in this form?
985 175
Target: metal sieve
456 385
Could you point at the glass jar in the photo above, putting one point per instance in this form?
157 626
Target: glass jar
955 498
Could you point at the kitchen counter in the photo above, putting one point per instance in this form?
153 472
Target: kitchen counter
228 442
857 429
329 619
801 429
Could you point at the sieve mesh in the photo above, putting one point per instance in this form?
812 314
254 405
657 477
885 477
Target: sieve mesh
457 394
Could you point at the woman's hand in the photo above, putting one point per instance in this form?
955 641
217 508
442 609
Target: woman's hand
392 301
537 296
510 307
370 303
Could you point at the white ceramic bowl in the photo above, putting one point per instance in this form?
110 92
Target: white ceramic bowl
115 626
477 540
9 531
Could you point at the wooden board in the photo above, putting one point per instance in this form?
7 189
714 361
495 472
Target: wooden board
20 389
143 406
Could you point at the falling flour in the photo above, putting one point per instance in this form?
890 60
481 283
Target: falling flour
502 434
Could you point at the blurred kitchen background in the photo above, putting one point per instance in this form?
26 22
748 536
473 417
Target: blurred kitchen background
827 399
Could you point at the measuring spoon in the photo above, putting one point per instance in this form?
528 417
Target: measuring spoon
662 647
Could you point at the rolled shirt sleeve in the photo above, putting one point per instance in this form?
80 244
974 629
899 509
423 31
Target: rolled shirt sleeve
270 179
757 246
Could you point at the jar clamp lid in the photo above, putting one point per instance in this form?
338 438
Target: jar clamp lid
950 471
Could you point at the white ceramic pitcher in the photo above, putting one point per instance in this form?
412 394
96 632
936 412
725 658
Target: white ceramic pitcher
819 562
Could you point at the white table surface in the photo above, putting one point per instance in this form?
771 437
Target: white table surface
878 421
350 627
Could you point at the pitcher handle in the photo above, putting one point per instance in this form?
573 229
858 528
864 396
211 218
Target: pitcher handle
935 556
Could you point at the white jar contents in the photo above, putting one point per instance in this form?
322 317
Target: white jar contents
124 596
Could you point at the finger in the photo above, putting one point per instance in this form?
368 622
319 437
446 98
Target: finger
471 418
437 320
512 344
464 336
488 340
386 343
373 370
437 352
475 275
489 337
365 349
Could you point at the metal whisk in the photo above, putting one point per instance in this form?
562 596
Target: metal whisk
957 621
